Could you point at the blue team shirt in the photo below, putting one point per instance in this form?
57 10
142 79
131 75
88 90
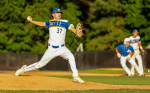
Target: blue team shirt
125 50
58 23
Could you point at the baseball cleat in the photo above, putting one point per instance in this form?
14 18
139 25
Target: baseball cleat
21 70
130 75
77 79
142 75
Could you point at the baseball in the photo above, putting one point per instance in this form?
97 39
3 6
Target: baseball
28 18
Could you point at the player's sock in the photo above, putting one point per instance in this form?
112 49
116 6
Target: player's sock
31 67
73 67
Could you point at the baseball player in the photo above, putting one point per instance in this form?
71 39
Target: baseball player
126 55
56 44
135 42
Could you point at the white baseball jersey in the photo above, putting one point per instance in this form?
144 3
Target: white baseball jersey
57 31
134 42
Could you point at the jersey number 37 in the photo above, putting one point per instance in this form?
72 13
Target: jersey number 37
59 30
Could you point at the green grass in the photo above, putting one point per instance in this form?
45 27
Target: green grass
107 71
115 80
80 91
103 71
95 71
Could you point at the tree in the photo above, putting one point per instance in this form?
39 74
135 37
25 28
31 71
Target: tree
19 35
137 17
107 25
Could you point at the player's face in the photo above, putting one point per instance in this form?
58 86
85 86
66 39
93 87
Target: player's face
127 44
135 34
57 15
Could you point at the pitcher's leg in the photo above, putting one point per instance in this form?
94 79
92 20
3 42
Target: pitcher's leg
31 67
48 55
66 54
45 59
72 63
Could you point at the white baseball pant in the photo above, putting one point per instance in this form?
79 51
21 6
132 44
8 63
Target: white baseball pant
52 53
123 63
139 60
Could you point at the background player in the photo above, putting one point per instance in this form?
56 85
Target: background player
135 42
126 54
56 44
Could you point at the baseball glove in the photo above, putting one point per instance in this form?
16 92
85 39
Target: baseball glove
143 53
79 30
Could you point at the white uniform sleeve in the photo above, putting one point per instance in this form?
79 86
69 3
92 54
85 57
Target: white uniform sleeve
44 23
71 25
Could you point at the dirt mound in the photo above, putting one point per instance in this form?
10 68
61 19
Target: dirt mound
33 82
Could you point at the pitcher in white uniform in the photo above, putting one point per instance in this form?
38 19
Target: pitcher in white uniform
135 42
56 44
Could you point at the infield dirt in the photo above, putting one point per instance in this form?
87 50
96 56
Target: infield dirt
37 80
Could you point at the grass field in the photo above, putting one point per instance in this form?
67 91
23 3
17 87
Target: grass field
80 91
115 80
107 71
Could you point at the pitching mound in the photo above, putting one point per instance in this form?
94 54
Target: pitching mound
32 82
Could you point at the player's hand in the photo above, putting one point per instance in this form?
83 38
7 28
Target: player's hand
29 18
119 55
143 52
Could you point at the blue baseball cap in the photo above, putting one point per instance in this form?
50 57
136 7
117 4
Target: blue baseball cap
135 30
56 10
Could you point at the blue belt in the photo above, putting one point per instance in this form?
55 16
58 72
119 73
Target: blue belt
57 46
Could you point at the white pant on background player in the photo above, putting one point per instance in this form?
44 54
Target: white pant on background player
139 60
131 61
